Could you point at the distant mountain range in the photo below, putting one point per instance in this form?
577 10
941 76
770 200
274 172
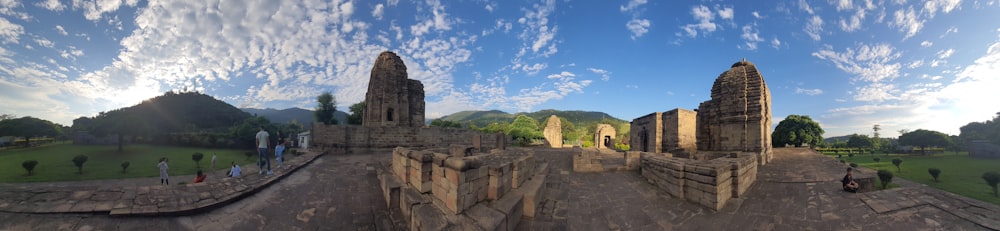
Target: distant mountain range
483 118
302 116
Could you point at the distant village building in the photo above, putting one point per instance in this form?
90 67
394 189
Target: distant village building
303 140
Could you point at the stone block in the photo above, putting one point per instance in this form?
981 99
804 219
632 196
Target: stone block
511 205
487 218
460 150
408 199
534 190
390 189
426 217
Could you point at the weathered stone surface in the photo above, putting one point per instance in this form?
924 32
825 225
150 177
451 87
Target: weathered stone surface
645 133
393 100
604 136
553 132
679 130
738 117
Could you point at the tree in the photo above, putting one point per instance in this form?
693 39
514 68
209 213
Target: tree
196 157
992 178
934 173
445 123
121 123
78 161
357 113
897 162
886 177
860 141
29 165
327 105
125 166
924 138
797 130
524 127
29 127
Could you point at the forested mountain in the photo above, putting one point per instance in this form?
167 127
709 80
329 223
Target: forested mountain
577 126
168 113
302 116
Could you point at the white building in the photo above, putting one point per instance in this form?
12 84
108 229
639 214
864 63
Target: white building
304 140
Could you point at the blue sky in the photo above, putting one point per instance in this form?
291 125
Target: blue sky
848 64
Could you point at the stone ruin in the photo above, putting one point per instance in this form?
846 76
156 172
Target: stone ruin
461 189
553 132
707 156
393 99
604 136
394 117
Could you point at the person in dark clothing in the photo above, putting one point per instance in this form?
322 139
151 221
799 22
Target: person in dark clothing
848 182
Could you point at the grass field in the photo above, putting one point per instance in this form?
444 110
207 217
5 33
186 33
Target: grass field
960 173
104 162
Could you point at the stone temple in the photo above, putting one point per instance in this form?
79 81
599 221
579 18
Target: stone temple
393 100
738 117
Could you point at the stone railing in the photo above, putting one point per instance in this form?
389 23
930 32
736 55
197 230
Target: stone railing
710 183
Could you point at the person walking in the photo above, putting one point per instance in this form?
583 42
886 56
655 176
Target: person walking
277 153
164 179
262 158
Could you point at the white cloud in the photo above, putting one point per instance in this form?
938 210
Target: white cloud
638 27
915 64
944 54
854 23
439 20
844 5
808 91
946 6
805 7
632 5
53 5
378 11
538 34
756 15
44 42
870 63
392 2
907 21
775 43
93 10
726 13
704 16
605 74
926 43
61 30
814 27
751 37
9 31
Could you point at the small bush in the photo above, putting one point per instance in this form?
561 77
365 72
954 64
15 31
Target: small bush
839 156
850 155
125 166
196 157
78 161
886 177
622 147
934 173
587 144
843 162
876 159
854 165
897 162
29 165
992 178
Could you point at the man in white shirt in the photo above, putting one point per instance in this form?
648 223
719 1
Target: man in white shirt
262 158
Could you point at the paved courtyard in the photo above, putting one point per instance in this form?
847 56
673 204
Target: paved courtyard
798 191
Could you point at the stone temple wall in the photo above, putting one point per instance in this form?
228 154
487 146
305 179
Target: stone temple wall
349 138
604 136
646 133
710 183
738 117
679 130
393 99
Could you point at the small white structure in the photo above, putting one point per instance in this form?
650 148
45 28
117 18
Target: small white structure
304 140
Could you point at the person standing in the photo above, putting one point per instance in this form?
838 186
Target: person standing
213 161
277 152
164 179
262 142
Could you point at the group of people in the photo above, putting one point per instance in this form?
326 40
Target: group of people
262 142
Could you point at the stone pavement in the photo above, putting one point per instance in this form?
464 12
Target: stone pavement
110 197
340 192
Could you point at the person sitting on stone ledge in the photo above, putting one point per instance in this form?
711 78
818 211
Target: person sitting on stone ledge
848 182
200 177
234 171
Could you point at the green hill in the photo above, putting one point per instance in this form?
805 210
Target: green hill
302 116
577 125
168 113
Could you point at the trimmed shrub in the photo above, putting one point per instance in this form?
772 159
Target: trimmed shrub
78 161
897 162
934 173
876 159
29 165
125 166
196 157
992 178
886 177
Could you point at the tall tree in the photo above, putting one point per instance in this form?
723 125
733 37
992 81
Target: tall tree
121 123
325 109
524 127
29 127
861 141
797 130
357 113
925 138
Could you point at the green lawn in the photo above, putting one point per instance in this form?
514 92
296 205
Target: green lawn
104 162
960 173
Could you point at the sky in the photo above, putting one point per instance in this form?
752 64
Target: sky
847 64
